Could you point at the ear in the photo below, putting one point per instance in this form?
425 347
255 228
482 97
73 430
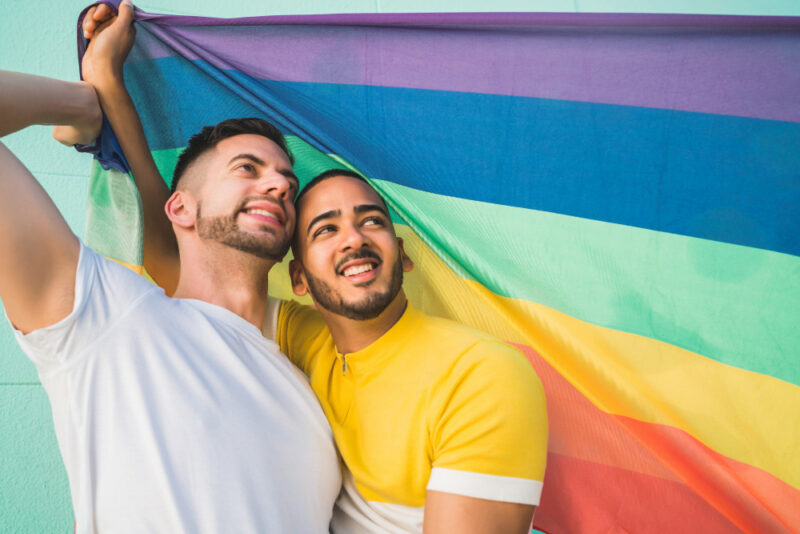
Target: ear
408 264
298 276
181 209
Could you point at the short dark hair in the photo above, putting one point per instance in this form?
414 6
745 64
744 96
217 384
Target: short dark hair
333 173
209 136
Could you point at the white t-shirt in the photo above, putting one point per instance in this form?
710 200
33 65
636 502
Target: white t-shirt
178 416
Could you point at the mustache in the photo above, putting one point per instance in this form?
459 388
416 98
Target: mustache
358 255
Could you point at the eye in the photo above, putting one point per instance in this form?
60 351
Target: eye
249 168
322 230
372 221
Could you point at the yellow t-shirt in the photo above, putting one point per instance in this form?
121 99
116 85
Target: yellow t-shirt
431 405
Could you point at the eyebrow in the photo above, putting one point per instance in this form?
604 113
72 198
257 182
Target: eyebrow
255 159
361 208
327 215
251 157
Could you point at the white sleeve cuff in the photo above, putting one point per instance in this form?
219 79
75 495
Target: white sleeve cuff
481 486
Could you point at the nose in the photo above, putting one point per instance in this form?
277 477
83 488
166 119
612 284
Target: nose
352 237
275 184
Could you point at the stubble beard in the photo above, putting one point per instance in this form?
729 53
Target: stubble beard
225 230
367 308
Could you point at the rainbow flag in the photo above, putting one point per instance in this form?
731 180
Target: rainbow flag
617 195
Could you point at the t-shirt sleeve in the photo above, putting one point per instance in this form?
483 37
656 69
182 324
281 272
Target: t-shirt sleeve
104 291
489 427
301 333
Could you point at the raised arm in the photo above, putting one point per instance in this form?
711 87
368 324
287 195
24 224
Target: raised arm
38 251
111 40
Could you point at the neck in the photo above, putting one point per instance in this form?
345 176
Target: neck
351 335
228 278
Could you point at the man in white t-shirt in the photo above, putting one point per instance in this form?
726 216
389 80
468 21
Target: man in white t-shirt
470 455
173 414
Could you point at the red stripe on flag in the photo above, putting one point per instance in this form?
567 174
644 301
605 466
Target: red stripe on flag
581 496
690 475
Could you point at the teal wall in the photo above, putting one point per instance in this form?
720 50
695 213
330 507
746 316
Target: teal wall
38 37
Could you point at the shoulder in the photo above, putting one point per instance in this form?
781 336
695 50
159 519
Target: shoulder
94 264
289 308
493 366
108 284
457 332
475 365
301 334
292 315
104 292
464 347
487 416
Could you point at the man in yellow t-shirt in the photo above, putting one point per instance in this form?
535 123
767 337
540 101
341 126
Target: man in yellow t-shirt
437 424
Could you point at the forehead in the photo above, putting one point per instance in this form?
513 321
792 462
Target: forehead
342 193
256 145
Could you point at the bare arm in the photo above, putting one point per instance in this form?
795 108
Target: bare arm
38 251
447 512
112 38
28 99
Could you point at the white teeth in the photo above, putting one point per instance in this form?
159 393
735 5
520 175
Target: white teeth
358 269
260 212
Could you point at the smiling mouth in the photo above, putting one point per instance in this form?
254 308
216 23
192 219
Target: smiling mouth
264 218
359 269
259 207
265 213
359 265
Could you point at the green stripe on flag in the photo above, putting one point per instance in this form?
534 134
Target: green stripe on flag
735 304
114 226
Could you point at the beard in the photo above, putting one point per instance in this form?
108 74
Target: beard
367 308
225 230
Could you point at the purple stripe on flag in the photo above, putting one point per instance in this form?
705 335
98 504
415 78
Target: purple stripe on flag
743 66
506 19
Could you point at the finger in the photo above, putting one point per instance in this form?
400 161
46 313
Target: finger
88 17
103 12
126 12
95 16
63 134
88 22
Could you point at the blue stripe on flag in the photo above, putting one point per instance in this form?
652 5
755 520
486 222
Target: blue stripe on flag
724 178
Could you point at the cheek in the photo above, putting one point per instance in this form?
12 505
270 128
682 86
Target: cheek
388 244
219 200
316 258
